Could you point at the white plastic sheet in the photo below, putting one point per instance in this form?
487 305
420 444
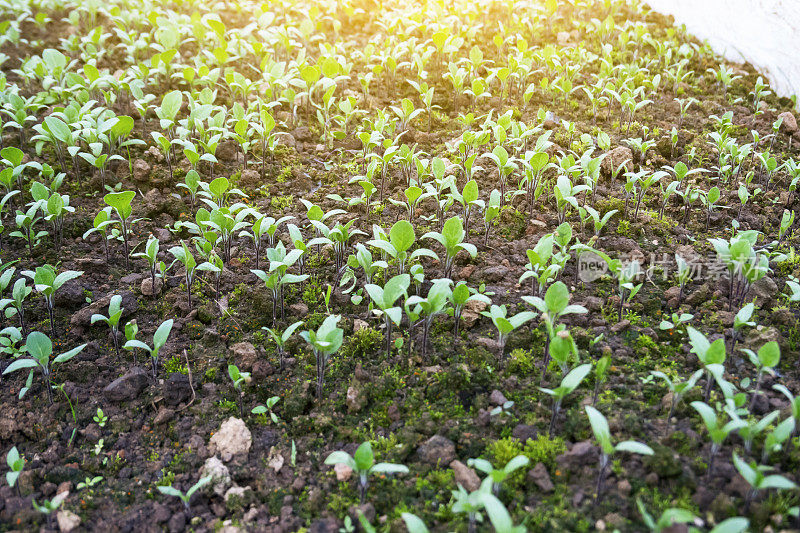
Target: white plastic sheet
765 33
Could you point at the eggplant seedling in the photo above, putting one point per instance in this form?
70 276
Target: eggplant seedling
569 383
281 338
40 348
112 320
239 379
362 462
756 476
766 360
499 475
185 497
159 340
16 463
717 430
324 342
603 436
506 324
677 388
47 282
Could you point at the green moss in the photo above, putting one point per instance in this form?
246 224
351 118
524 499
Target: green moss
542 449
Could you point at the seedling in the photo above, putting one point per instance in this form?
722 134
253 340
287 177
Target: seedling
678 389
602 435
569 383
263 409
766 360
100 418
48 507
47 282
363 464
159 340
498 475
669 518
239 379
756 477
281 338
185 497
718 431
385 298
16 463
324 342
40 348
506 324
120 202
452 239
112 320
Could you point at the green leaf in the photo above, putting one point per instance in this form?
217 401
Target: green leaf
162 334
59 129
39 346
66 356
769 354
19 364
557 297
631 446
340 457
401 235
414 524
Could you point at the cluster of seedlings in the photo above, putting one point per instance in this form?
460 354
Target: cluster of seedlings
450 169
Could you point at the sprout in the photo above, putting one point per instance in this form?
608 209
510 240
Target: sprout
185 497
602 435
362 462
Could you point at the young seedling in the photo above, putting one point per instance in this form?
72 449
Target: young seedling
40 348
717 431
183 255
600 375
239 379
362 462
101 224
676 322
120 202
131 330
554 306
506 324
602 435
668 520
472 503
159 340
683 274
264 409
430 307
15 305
756 477
48 507
499 475
766 360
385 298
460 297
150 253
100 418
281 338
47 282
112 320
324 342
569 383
710 354
185 497
452 239
16 463
491 212
678 389
777 438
